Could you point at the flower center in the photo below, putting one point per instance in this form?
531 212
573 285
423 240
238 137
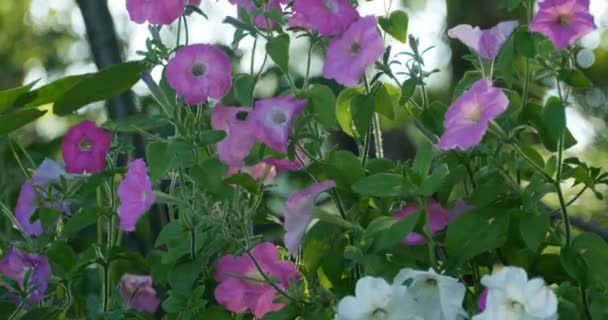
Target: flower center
474 113
563 19
379 314
278 117
85 145
198 69
431 282
355 48
331 6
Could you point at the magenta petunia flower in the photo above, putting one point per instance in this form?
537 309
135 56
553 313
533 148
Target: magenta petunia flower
200 71
286 164
242 287
31 196
240 137
483 300
194 2
298 213
85 147
15 265
487 43
563 21
155 11
260 20
439 218
467 118
350 54
135 194
273 120
138 292
328 17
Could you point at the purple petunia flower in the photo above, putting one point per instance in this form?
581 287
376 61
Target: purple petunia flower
155 11
138 292
563 21
85 147
136 195
328 17
467 118
260 20
200 71
298 213
16 263
273 120
487 43
30 197
483 300
242 287
240 137
350 54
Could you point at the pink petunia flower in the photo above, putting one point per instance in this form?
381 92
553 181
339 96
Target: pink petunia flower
467 118
30 198
350 54
273 120
200 71
242 287
155 11
138 292
487 43
328 17
298 213
85 147
286 164
260 20
240 137
15 265
439 218
563 21
135 194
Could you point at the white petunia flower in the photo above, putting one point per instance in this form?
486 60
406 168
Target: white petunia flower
376 299
512 296
436 297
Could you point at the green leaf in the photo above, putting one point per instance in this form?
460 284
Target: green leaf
575 78
524 43
465 83
594 252
343 109
381 185
324 247
165 156
42 313
62 258
8 97
362 109
183 276
332 218
395 25
385 232
477 231
49 93
533 114
13 121
511 5
209 176
434 181
278 50
243 180
210 137
243 88
47 216
99 86
407 90
344 168
386 100
216 313
533 229
322 102
86 217
286 313
554 115
422 161
172 231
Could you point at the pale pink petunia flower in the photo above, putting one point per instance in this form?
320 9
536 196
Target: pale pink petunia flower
242 287
563 21
439 218
240 137
85 147
467 119
156 11
15 265
328 17
198 72
30 196
273 120
350 54
135 194
298 213
138 292
487 43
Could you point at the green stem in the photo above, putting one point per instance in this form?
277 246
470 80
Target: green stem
429 234
105 302
585 300
15 313
193 243
308 60
560 195
377 136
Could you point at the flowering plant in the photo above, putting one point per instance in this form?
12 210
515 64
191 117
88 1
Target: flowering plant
171 213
